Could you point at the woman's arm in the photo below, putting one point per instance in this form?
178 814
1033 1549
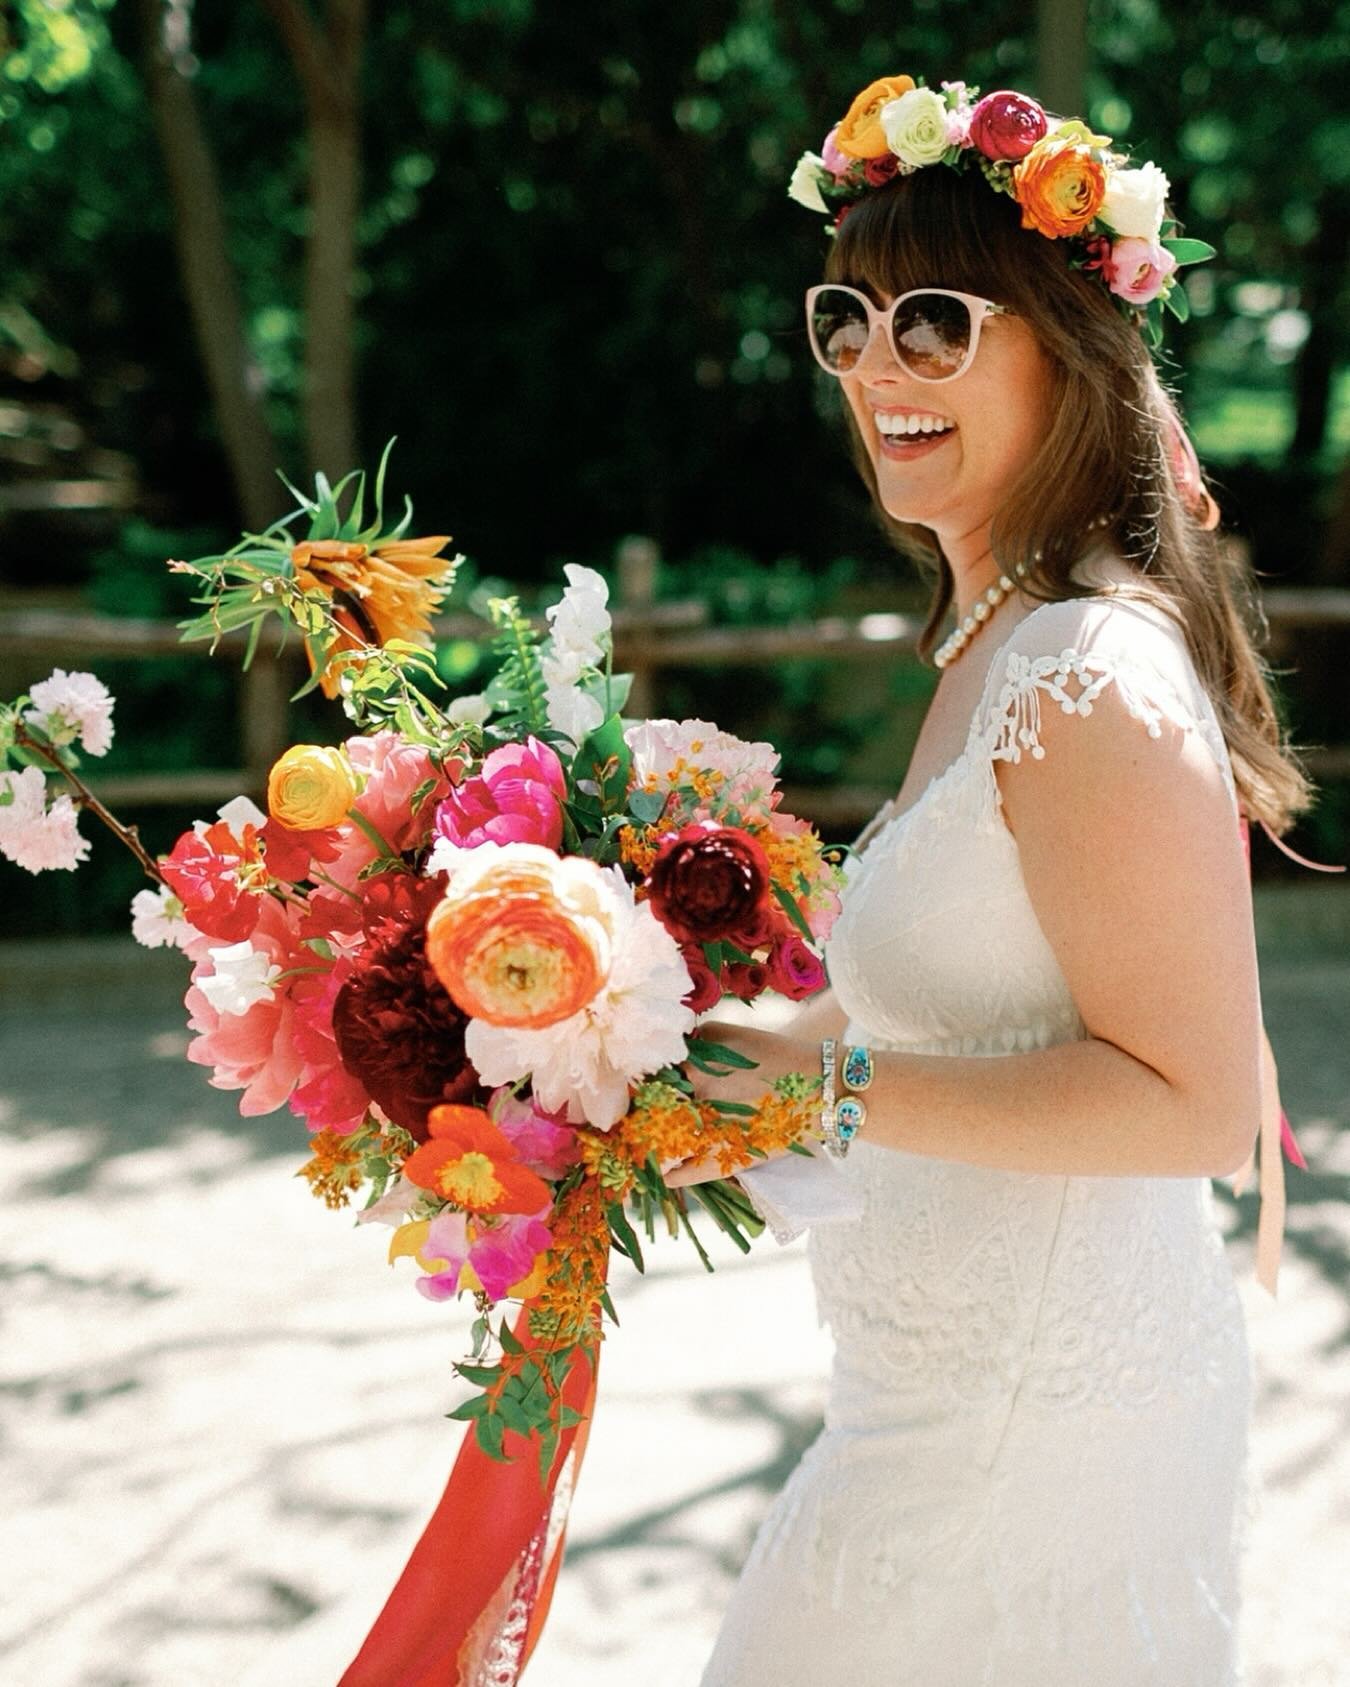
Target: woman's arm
1132 859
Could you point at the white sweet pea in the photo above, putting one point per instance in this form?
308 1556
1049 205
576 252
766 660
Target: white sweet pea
240 812
571 711
561 670
915 127
70 706
157 919
580 620
472 710
805 184
1135 201
244 976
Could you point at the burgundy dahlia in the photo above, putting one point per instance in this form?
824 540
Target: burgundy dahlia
396 1027
708 881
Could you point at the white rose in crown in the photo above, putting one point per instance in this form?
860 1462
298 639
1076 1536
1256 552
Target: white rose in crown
915 127
1134 202
805 184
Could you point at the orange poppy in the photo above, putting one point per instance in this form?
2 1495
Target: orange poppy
470 1161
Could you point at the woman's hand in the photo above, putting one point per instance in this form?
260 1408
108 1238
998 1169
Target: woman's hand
777 1054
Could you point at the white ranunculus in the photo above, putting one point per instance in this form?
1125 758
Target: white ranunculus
1135 201
244 976
805 184
915 127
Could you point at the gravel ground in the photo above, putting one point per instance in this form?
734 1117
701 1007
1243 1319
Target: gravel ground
224 1413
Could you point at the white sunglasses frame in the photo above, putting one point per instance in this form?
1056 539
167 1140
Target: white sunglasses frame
979 309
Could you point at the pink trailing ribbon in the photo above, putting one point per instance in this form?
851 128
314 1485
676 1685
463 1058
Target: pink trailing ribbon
1276 1138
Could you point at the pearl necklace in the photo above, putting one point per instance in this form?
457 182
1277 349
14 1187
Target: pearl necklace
984 607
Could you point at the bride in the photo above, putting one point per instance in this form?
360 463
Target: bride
1044 997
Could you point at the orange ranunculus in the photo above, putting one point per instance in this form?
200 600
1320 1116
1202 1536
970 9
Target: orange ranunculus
387 593
470 1161
859 135
1059 184
523 941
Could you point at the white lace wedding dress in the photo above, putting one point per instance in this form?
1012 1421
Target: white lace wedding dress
1032 1466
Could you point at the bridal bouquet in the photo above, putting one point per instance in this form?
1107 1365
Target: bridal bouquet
469 944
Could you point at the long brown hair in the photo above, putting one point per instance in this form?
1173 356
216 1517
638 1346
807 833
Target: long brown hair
1103 467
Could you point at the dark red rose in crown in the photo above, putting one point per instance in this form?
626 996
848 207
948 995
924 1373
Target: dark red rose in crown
396 1027
879 171
1006 125
708 881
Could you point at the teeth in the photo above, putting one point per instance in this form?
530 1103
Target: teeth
894 424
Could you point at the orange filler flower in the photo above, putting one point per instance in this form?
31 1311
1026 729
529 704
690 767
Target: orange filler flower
388 592
470 1161
523 940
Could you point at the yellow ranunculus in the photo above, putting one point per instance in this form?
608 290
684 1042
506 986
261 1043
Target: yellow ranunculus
1059 184
311 787
860 135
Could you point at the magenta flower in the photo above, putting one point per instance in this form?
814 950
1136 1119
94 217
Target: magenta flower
1006 125
543 1142
1136 269
517 798
795 970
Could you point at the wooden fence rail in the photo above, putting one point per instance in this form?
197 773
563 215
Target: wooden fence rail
648 637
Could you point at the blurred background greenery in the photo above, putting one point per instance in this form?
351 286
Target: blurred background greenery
549 248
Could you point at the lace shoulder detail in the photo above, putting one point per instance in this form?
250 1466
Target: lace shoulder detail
1066 654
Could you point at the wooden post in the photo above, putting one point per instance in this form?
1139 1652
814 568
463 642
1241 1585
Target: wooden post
637 560
263 719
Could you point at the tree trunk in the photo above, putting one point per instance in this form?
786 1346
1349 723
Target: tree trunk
233 380
1061 56
1325 269
327 60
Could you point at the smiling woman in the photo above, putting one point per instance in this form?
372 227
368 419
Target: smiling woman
1043 976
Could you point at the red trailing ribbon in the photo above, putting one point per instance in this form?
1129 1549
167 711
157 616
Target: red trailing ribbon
472 1600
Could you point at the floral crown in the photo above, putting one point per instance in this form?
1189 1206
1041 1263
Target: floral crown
1069 183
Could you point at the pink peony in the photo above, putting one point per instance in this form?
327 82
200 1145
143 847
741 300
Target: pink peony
253 1051
1136 269
542 1141
326 1096
393 771
517 798
1006 125
795 970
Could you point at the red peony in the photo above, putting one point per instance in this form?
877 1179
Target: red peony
708 881
1006 125
396 1027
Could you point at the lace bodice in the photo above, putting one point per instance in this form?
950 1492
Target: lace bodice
1037 1351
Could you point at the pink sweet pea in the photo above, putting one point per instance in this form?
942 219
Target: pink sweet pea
517 798
501 1257
1136 269
253 1051
542 1141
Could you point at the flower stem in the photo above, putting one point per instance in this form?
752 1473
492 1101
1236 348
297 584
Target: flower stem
85 798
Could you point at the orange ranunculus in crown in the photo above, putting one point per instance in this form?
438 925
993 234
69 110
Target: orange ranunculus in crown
388 592
521 937
1059 184
860 134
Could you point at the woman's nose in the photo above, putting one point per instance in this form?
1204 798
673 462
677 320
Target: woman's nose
877 356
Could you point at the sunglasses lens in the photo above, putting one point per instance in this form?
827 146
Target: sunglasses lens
839 328
932 335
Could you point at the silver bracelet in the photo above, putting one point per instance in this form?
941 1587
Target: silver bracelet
828 1133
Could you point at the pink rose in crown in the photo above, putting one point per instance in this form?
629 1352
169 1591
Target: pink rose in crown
517 798
1136 269
836 162
1006 125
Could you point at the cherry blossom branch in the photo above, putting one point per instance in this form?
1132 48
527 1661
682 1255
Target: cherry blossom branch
85 798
